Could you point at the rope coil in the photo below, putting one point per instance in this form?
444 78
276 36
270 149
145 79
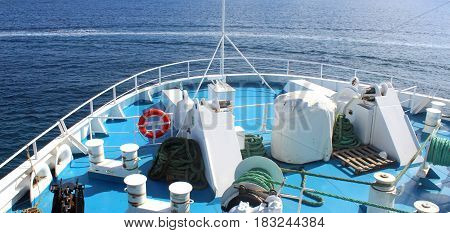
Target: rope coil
439 151
179 159
253 146
343 135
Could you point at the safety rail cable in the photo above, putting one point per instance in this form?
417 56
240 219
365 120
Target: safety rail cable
303 172
344 198
190 62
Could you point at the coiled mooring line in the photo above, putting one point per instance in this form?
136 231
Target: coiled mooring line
253 146
343 135
439 151
179 159
264 180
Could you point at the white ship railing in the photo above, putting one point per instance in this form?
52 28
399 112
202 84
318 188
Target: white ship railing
277 67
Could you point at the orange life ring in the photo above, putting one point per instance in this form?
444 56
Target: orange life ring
151 113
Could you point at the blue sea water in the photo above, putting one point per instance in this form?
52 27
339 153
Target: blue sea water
55 54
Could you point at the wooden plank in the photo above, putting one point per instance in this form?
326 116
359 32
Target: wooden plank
354 161
349 162
361 159
372 162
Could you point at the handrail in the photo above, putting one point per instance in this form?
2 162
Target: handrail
189 63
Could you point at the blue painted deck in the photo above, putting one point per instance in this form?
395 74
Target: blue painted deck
102 196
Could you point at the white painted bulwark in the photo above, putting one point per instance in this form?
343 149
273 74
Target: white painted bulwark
41 177
303 85
116 112
97 126
63 158
170 99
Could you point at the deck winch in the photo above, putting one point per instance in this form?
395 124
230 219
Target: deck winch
253 189
379 120
68 197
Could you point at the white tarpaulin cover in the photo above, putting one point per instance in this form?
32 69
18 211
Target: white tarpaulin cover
302 127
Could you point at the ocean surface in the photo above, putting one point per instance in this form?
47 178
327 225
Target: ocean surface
55 54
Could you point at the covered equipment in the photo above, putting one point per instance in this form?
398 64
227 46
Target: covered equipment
302 127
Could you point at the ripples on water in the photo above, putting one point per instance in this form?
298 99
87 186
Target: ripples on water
56 54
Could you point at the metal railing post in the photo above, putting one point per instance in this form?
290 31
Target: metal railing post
188 69
412 98
264 118
356 71
288 67
135 131
91 106
35 150
114 94
159 75
90 128
321 70
61 128
154 132
136 83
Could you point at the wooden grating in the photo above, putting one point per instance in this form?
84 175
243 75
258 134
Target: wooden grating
362 159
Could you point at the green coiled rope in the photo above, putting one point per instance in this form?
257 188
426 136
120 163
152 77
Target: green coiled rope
253 146
179 159
318 200
263 179
439 151
343 135
257 176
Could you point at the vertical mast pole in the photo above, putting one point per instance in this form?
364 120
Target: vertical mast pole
222 46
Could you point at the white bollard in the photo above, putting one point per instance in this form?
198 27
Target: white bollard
426 207
130 157
180 198
431 119
437 105
96 151
382 195
136 189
